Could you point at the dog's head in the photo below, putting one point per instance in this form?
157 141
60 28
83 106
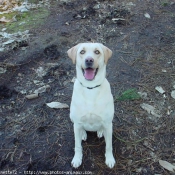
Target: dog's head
90 59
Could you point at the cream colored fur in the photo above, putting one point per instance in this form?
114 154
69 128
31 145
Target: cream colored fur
91 109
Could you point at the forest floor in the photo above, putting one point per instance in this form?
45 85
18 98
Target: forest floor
141 34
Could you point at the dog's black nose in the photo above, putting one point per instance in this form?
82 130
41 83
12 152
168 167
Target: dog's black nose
89 62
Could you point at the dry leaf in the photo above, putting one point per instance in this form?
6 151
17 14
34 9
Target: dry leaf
150 109
160 89
3 19
173 94
147 15
57 105
42 89
73 80
8 42
167 165
32 96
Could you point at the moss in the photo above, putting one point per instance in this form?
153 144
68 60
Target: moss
130 94
26 20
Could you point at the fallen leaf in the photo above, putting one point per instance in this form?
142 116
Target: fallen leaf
150 109
164 70
3 19
160 89
57 105
32 96
167 165
147 15
1 49
4 29
173 94
8 42
2 70
73 80
42 89
118 19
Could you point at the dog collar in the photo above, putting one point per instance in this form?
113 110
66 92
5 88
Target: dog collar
90 87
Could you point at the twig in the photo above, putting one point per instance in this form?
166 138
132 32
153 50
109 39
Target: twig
134 142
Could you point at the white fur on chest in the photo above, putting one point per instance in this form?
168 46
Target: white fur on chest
91 122
92 108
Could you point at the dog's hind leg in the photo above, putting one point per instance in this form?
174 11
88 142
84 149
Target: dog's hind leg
100 133
84 135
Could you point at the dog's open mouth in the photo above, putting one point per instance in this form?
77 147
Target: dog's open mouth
89 73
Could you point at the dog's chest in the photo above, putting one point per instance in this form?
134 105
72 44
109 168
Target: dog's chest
91 122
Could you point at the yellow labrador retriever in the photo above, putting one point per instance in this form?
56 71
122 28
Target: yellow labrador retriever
92 106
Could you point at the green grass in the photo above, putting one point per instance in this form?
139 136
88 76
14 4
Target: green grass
130 94
165 3
26 20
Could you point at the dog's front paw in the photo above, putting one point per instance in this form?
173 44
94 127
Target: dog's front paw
110 161
76 161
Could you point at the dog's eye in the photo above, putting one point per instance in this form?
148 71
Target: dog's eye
97 52
82 52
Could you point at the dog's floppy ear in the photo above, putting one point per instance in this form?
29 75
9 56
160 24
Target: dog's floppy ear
72 53
107 53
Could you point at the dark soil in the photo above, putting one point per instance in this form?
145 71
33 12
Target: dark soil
36 138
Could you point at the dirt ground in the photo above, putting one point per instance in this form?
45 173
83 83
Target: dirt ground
36 138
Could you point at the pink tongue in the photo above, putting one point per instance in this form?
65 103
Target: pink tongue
89 73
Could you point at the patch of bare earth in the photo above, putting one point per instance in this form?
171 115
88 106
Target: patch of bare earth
34 137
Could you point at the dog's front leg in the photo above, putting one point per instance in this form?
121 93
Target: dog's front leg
110 161
77 160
